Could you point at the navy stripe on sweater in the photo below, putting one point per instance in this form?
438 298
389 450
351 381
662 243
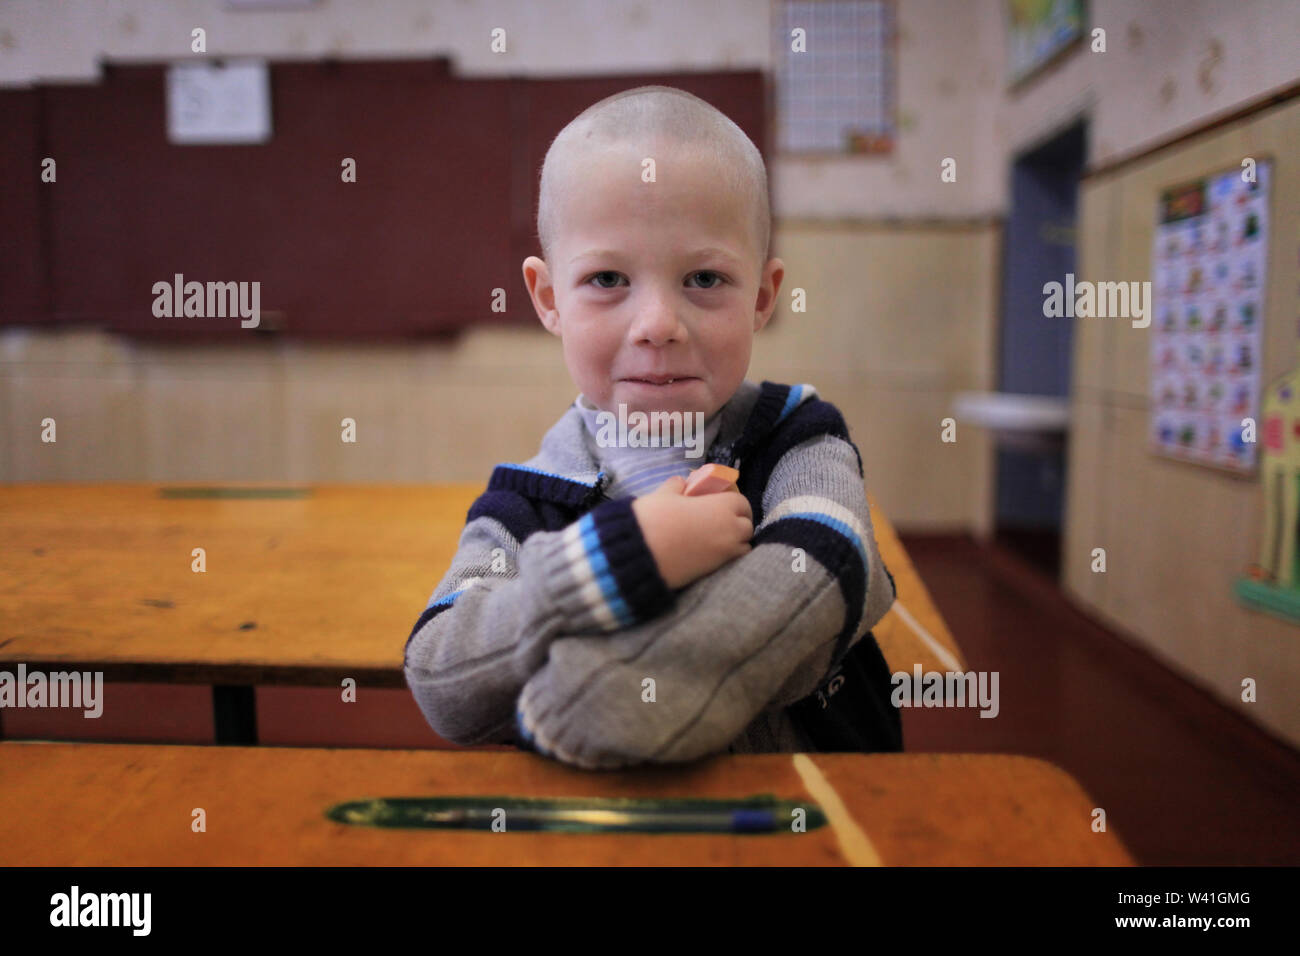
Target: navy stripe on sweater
542 484
835 552
430 612
625 560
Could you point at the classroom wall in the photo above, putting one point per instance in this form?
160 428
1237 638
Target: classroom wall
881 339
1170 66
272 410
944 76
1177 535
864 235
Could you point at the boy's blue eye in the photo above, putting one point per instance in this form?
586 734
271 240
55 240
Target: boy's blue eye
601 278
616 276
707 272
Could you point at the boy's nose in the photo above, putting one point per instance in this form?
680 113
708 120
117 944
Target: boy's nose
657 322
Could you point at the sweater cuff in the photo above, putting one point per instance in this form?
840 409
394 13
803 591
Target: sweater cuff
601 574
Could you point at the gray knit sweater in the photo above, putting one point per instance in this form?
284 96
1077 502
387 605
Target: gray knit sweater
553 629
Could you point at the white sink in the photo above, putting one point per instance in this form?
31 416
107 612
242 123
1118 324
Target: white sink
1020 421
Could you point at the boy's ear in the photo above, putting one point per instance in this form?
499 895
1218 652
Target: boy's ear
769 287
537 277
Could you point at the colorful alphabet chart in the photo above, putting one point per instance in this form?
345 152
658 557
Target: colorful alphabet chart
1209 265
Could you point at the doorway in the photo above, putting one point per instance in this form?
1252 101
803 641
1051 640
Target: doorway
1034 351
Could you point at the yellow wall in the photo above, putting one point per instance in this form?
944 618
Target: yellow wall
1177 535
899 319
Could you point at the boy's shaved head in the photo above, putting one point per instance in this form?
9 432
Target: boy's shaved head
654 118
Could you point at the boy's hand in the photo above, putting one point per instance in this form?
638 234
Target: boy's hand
693 536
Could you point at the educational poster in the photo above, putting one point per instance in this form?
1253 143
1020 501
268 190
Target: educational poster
1038 30
1208 267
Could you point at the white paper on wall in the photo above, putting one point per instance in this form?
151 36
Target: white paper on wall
213 103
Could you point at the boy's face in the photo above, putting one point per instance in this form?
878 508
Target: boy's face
653 280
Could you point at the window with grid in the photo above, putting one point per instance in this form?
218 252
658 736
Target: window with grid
838 95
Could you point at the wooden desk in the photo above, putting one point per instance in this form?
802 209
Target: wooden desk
902 646
265 806
304 586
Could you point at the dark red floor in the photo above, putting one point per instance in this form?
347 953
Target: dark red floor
1183 779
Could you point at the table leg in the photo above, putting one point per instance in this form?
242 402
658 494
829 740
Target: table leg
235 714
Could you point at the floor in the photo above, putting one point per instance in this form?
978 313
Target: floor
1183 779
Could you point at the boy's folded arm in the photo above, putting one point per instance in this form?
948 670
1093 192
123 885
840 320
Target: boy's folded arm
492 618
761 631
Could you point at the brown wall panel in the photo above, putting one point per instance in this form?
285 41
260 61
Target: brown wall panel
442 212
24 290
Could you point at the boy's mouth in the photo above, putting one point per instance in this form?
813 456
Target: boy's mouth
661 380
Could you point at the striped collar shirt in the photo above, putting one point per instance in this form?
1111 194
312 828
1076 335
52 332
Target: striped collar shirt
635 471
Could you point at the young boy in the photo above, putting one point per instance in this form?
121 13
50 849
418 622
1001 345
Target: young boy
603 623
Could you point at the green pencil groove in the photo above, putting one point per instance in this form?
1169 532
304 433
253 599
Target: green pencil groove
757 815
